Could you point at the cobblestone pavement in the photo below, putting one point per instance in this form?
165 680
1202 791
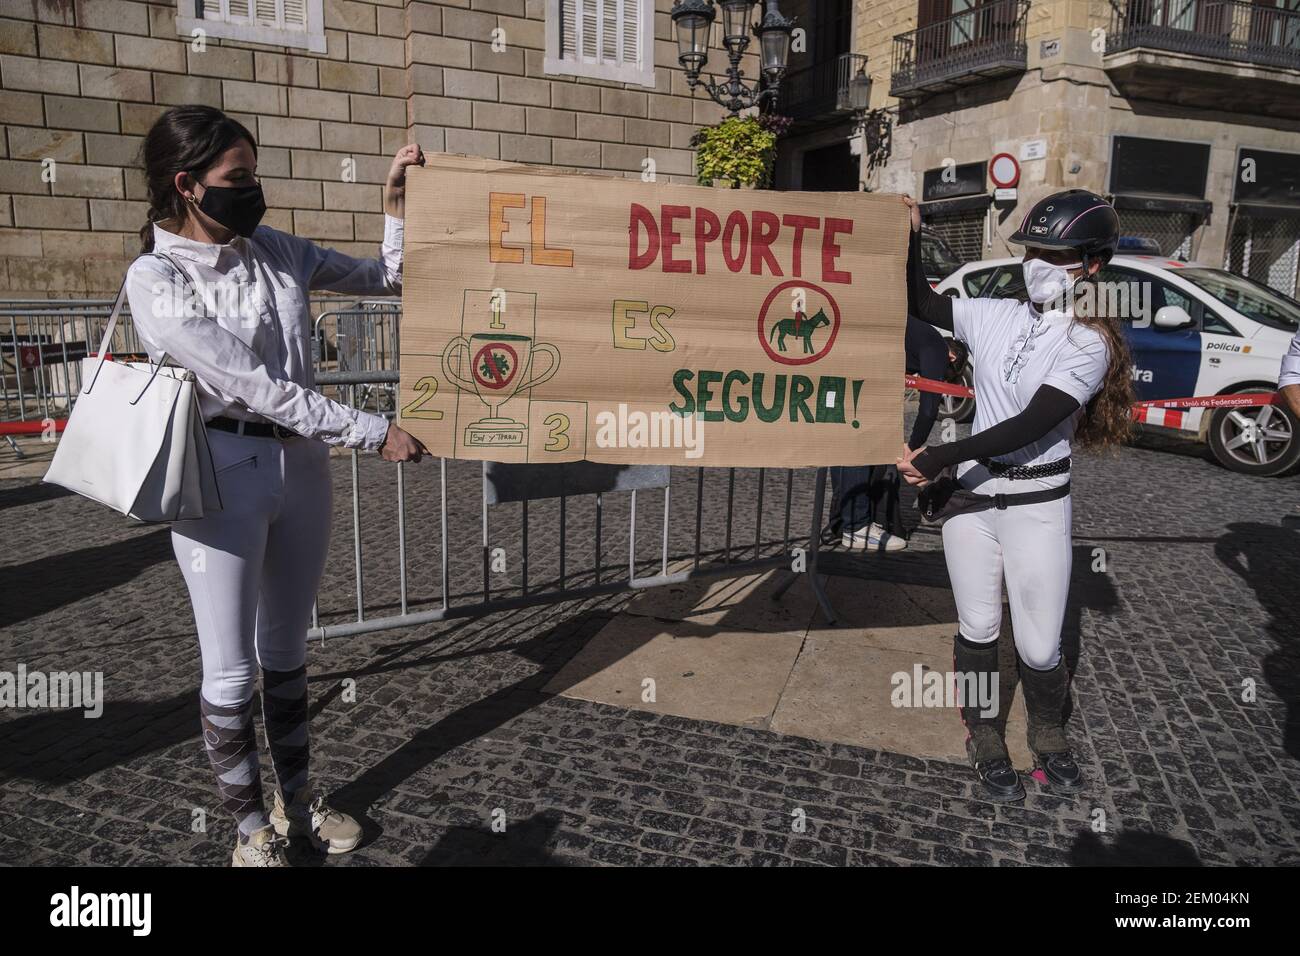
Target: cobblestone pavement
449 725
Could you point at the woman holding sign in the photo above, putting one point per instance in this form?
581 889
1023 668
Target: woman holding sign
227 299
1046 376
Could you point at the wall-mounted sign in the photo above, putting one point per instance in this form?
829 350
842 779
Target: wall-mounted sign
966 179
1158 167
1264 176
1004 195
1049 48
1004 171
1033 149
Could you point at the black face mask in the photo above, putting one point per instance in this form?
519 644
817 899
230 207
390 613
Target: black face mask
239 208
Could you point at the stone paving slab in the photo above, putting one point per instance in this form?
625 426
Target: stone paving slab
711 651
33 461
841 692
735 603
696 670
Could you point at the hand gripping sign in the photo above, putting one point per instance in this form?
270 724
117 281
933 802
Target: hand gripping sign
551 316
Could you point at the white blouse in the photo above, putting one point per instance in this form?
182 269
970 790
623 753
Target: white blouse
243 327
1014 350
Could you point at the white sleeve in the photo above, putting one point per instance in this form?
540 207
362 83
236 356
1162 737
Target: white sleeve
972 320
1290 373
328 270
233 371
965 314
1080 369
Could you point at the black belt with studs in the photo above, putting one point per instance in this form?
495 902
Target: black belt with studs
1002 469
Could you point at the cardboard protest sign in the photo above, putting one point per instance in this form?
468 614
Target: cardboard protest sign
552 316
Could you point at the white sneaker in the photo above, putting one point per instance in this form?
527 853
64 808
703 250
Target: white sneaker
310 817
264 847
873 538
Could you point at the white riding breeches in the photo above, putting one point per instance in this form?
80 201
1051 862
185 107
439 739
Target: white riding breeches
1029 547
253 568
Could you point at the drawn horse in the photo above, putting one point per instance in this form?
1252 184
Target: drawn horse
799 326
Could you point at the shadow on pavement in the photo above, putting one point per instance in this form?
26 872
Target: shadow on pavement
60 746
523 844
30 493
1132 849
47 584
1267 557
551 648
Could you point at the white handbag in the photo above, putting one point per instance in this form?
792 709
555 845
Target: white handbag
135 440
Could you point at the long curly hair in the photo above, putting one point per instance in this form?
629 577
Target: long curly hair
183 139
1108 418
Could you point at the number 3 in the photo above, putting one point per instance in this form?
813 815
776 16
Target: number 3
559 425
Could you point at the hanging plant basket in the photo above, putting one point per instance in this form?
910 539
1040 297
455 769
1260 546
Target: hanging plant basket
739 152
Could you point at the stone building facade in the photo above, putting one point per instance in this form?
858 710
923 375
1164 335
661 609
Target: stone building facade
1185 112
331 88
1161 104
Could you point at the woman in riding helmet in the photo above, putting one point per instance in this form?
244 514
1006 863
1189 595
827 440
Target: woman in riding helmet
1048 372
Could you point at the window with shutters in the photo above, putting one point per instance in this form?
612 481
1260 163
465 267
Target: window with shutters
292 23
601 39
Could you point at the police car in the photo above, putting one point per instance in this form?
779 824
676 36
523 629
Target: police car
1194 330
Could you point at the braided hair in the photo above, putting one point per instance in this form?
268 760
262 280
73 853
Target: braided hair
185 139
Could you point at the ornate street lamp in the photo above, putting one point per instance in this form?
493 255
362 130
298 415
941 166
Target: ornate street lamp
875 127
693 19
859 90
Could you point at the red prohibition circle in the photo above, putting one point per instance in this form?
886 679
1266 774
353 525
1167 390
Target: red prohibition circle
762 323
498 381
1015 176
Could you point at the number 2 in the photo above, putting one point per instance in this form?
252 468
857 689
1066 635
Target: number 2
428 387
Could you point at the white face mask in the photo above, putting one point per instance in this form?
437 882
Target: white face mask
1047 284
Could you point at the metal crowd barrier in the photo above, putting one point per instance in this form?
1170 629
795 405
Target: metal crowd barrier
355 359
41 348
360 338
42 343
701 559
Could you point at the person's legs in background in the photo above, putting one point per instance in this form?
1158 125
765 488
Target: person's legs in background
886 514
851 502
866 495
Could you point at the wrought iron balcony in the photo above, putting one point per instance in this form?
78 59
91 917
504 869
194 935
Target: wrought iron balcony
821 90
1218 29
977 44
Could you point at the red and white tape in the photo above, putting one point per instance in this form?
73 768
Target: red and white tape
943 388
34 427
1161 411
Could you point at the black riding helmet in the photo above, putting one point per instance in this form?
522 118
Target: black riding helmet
1073 219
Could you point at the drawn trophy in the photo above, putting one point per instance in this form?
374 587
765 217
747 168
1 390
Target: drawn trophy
500 367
